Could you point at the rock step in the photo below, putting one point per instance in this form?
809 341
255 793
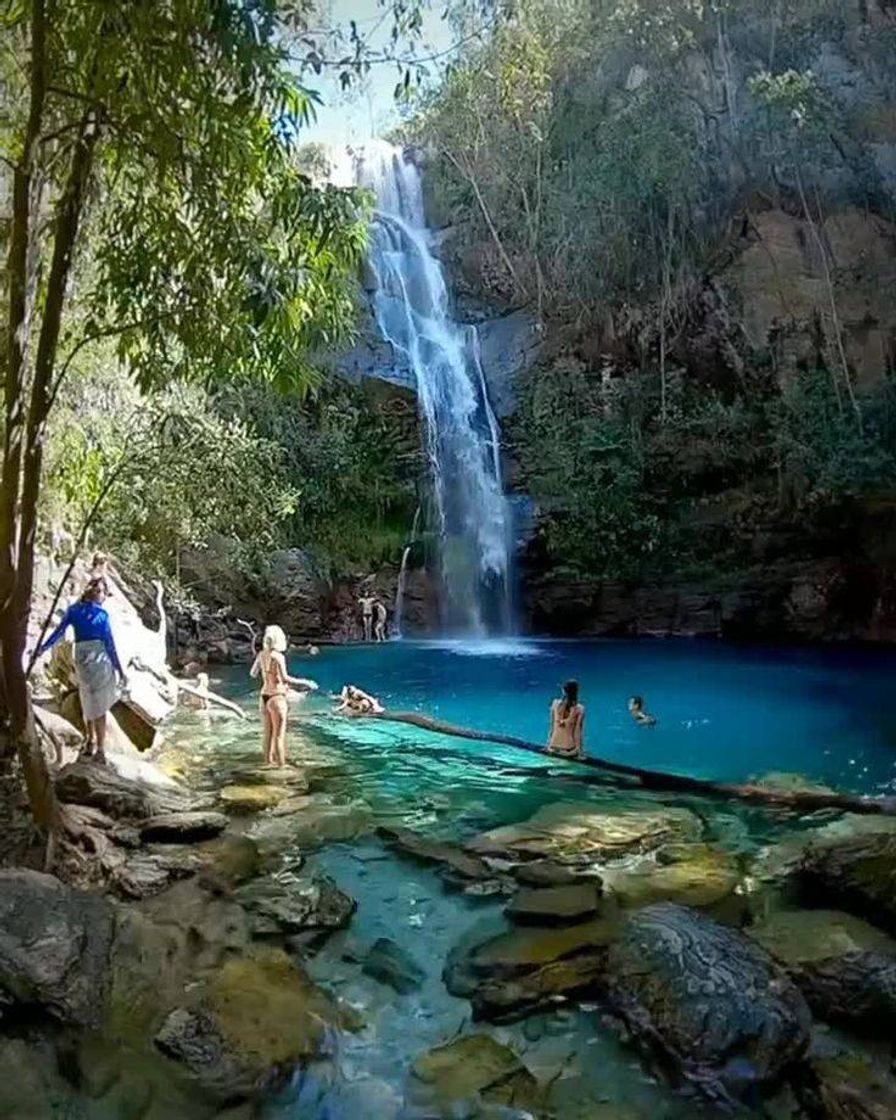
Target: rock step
555 905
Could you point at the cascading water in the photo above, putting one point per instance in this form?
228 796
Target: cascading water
399 597
411 310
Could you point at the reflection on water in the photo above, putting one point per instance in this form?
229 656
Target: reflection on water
723 712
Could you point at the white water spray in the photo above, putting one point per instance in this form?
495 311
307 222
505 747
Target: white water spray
411 310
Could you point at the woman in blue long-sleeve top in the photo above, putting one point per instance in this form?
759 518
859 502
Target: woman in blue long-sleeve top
96 661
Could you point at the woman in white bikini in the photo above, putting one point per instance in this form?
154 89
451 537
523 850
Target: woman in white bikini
567 724
270 664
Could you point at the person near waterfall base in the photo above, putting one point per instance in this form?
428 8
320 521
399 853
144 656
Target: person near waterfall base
567 724
270 665
379 628
97 666
366 603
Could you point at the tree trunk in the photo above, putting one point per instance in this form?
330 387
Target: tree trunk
14 379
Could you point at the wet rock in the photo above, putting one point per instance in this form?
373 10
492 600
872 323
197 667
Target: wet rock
179 828
844 967
292 777
476 1067
577 832
454 862
31 1086
254 1019
54 946
858 873
555 905
102 787
689 874
726 1016
147 873
251 798
392 965
296 905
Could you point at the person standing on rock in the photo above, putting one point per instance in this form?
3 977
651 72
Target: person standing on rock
567 724
379 628
270 665
366 604
98 669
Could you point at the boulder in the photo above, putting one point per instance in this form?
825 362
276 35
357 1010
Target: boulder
251 798
582 832
454 863
54 946
143 874
555 905
102 787
253 1019
844 967
297 905
228 861
392 965
690 874
475 1067
858 873
179 828
725 1015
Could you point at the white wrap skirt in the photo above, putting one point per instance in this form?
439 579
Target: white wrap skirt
96 679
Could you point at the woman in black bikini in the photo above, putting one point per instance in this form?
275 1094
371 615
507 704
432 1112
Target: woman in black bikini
567 724
270 664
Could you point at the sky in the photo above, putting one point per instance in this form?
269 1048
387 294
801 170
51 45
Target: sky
368 110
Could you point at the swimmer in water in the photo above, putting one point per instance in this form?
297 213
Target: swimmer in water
636 711
355 702
567 724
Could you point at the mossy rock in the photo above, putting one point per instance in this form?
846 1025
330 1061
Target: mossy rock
228 860
252 798
690 874
477 1067
804 936
267 1010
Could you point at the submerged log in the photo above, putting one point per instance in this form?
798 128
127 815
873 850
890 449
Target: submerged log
800 800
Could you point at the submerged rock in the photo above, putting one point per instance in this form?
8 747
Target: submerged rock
555 905
476 1067
228 861
510 974
726 1016
690 874
548 873
253 1019
54 946
179 828
844 967
296 905
392 965
858 872
453 861
581 832
252 798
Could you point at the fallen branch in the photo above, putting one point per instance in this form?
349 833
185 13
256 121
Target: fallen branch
805 801
211 697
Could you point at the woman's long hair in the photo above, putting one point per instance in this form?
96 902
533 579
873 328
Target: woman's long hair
274 639
570 697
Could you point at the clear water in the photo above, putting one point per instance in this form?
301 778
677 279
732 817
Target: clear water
410 304
723 712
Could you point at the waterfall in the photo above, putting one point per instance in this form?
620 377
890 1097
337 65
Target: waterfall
410 306
399 597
